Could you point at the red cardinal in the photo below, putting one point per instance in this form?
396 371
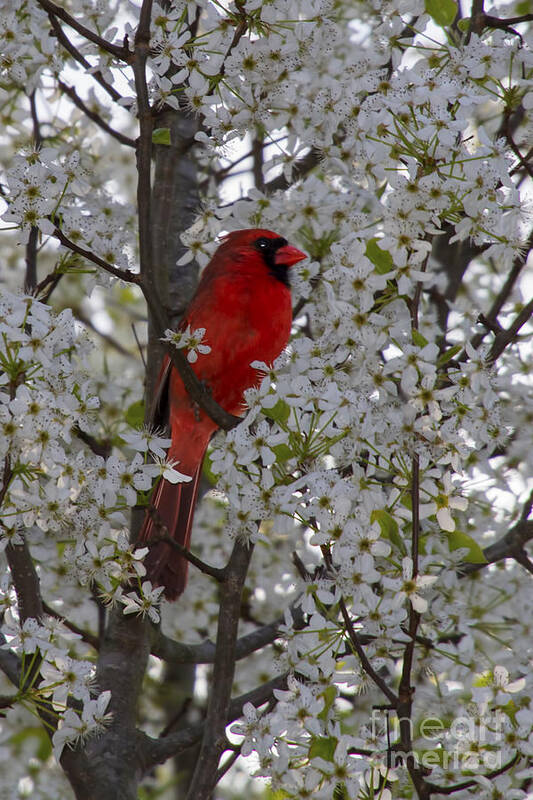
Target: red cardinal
243 301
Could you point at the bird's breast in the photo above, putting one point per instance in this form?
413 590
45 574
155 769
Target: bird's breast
245 321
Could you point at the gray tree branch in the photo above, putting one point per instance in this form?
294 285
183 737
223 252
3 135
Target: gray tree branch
214 740
169 650
157 751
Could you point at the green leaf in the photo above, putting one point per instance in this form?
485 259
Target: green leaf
161 136
126 295
207 471
381 259
135 414
43 744
323 747
464 24
475 554
329 695
484 679
277 794
340 792
317 248
283 452
443 12
449 354
279 413
389 528
418 339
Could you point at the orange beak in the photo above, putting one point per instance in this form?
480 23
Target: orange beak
288 255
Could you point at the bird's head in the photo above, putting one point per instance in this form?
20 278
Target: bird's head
264 247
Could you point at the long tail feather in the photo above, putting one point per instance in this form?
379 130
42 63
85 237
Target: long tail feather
172 508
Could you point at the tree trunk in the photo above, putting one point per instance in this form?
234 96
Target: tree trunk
108 766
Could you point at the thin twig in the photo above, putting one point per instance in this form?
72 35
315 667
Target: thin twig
179 715
214 572
77 56
157 751
124 274
508 335
477 20
257 162
458 787
405 688
86 636
100 447
227 765
71 92
49 283
491 318
30 279
106 337
139 346
522 160
365 663
118 51
510 545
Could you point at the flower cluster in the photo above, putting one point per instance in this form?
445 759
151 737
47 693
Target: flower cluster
49 677
192 341
53 485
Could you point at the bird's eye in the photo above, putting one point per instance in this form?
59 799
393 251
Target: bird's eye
263 243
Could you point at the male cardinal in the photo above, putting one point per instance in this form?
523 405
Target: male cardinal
243 301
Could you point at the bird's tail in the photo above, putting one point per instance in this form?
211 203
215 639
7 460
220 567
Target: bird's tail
170 513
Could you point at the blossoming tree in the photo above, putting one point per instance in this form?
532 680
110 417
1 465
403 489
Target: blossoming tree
358 617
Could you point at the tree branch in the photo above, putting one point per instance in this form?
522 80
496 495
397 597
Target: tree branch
10 663
365 663
49 282
491 318
257 162
85 636
99 765
214 740
71 92
124 274
509 546
77 56
169 650
507 130
144 146
25 581
458 787
117 51
200 392
477 20
214 572
157 751
301 168
508 335
30 279
404 707
106 337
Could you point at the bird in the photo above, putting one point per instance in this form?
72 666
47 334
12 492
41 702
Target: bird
243 301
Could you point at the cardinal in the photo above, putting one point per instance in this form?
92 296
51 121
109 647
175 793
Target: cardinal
244 303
